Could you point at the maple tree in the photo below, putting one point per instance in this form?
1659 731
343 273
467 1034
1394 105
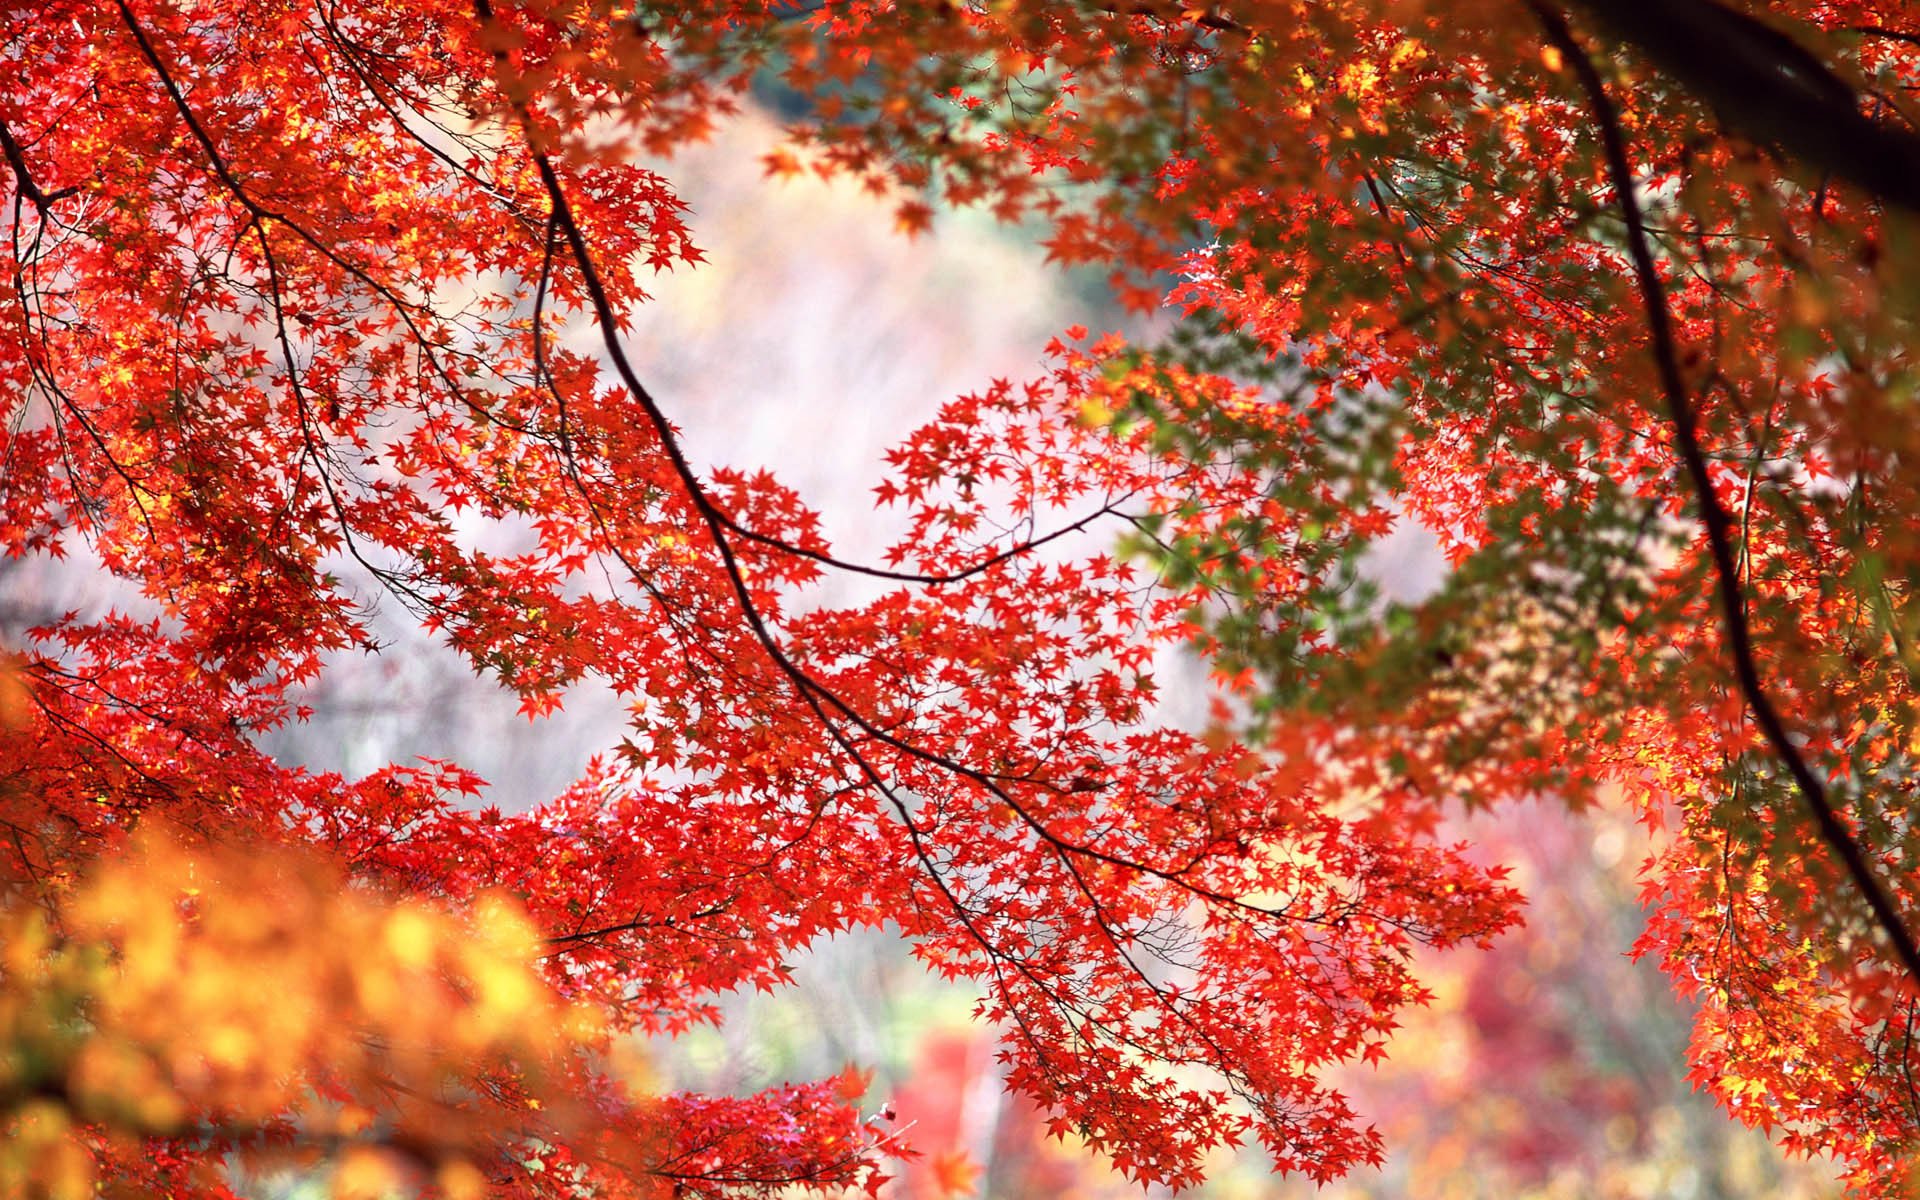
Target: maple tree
292 302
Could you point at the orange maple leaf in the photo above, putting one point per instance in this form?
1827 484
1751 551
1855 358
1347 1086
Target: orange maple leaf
954 1174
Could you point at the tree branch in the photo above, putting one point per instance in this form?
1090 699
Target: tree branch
41 199
1767 87
1714 517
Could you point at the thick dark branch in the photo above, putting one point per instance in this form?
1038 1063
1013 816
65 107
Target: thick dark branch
23 178
1769 88
41 199
1713 516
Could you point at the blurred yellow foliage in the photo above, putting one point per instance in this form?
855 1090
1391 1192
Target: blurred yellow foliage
253 996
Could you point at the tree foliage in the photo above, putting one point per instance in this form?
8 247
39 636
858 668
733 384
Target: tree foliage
294 298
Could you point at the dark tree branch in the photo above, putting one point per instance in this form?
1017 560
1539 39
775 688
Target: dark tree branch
22 178
41 199
1713 516
1769 88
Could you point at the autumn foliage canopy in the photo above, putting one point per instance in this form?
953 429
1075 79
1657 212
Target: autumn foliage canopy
308 307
